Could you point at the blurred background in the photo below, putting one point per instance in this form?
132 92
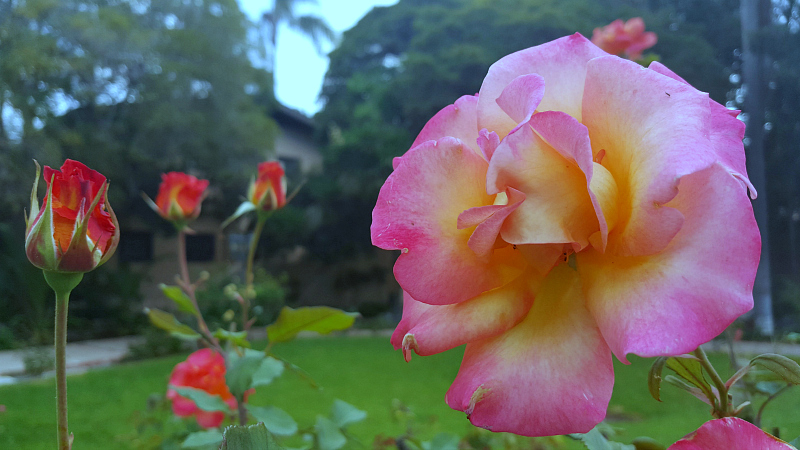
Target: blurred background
334 90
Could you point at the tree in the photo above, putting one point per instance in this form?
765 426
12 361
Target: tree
283 11
401 64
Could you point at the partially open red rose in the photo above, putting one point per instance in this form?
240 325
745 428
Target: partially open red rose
76 230
179 197
268 191
204 370
628 37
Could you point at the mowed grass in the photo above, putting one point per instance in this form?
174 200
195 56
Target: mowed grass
363 371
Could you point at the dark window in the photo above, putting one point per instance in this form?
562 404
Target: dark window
291 166
200 247
135 246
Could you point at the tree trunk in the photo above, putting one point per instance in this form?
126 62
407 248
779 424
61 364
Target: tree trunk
755 16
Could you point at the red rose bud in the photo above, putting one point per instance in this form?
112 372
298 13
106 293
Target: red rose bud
179 197
268 191
76 230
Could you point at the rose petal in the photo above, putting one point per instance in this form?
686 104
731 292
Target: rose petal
653 130
730 433
551 374
521 97
558 207
726 134
417 212
671 302
459 120
429 329
562 63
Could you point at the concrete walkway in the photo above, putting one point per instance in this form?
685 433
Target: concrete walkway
80 356
84 355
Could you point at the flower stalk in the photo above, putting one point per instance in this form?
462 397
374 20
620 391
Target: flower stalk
62 284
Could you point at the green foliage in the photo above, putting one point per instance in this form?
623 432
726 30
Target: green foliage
214 300
401 64
202 399
320 319
170 324
277 421
246 438
203 439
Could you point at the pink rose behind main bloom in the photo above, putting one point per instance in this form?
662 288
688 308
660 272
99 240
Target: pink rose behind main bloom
730 433
580 205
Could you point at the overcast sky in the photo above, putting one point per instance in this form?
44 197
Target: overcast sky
299 69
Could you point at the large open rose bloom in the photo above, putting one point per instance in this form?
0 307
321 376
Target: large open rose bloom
580 205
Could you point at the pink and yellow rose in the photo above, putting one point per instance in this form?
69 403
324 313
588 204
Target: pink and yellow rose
580 205
730 433
76 229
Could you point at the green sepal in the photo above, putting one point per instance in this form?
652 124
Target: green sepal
62 283
34 199
691 370
40 237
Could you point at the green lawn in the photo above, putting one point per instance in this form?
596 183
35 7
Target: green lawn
362 371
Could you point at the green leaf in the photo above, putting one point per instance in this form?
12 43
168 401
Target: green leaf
443 441
654 377
343 413
244 208
241 369
780 365
691 370
202 439
182 301
646 443
237 337
682 384
237 437
168 322
270 369
795 443
329 437
275 419
769 387
594 440
202 399
321 319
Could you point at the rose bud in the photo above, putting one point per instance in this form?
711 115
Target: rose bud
76 230
268 191
179 197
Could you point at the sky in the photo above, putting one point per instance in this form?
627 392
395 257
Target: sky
299 68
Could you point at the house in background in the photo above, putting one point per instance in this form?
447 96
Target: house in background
154 254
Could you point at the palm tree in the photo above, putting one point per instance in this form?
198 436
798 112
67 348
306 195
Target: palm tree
283 11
